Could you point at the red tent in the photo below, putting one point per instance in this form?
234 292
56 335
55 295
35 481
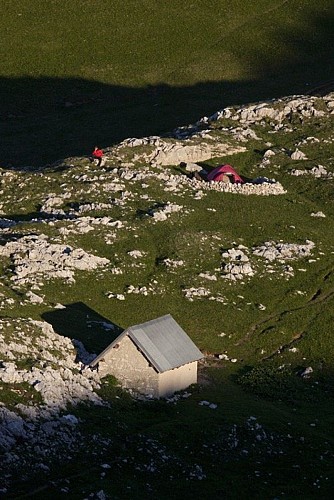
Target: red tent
217 174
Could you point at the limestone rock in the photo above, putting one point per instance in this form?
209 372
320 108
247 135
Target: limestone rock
298 155
34 256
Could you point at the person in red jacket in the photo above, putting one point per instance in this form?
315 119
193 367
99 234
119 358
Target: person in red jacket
97 154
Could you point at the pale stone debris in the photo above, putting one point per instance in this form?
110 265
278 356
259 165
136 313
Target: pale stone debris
162 213
59 380
271 250
238 265
118 296
52 203
192 292
136 254
201 292
170 263
318 171
34 298
208 276
84 225
34 257
318 214
298 155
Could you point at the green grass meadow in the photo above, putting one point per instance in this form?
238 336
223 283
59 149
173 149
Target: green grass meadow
78 73
270 434
81 73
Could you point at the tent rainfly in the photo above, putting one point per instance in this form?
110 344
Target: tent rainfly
156 358
219 174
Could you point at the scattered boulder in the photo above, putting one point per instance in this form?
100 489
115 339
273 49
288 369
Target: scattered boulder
319 171
271 250
316 171
238 265
318 214
162 213
307 372
298 155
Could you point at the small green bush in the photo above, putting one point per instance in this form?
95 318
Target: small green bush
273 383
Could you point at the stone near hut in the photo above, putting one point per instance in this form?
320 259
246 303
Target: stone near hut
319 171
307 372
318 214
298 155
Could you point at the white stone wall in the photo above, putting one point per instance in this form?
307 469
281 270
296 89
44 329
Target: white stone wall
131 368
177 379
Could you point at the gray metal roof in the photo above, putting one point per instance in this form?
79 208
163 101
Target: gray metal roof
162 341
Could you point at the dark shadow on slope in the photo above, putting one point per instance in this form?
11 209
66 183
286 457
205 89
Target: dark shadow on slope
7 237
43 120
80 322
51 126
46 119
15 218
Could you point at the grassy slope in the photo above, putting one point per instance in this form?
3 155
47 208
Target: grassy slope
115 59
284 404
140 68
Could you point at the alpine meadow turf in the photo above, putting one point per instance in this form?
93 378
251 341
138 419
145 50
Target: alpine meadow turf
82 73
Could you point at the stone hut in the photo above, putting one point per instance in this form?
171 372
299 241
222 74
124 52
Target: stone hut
156 358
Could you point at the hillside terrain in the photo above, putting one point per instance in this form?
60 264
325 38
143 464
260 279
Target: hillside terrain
88 73
246 270
170 91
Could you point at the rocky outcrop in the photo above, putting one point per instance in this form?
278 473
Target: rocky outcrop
318 171
271 250
58 378
34 257
173 154
279 110
164 152
238 265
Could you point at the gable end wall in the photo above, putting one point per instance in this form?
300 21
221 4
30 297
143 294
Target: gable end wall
131 368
